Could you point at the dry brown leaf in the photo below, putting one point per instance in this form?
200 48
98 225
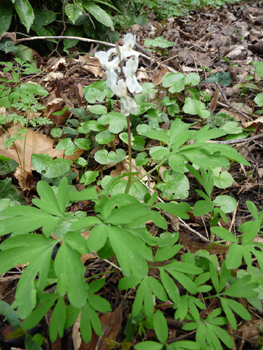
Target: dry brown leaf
91 65
157 79
258 123
111 325
35 144
52 76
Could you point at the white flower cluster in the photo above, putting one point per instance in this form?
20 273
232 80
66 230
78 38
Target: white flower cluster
119 87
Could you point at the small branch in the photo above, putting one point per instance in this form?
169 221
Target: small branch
231 142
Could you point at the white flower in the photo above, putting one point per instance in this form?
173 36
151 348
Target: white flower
129 40
129 72
133 85
119 89
126 49
103 57
111 77
128 105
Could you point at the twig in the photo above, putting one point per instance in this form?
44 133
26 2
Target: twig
230 142
144 54
229 104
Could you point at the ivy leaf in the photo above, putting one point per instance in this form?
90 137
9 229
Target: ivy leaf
73 12
6 13
100 15
25 13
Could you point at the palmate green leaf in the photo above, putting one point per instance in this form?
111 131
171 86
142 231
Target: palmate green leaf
179 134
104 137
130 251
128 282
22 219
26 293
88 177
250 229
177 163
77 242
156 134
182 308
242 289
127 214
160 326
143 300
97 238
72 315
70 272
85 324
10 314
25 13
224 233
98 303
95 286
228 312
227 151
202 208
205 134
192 305
22 249
87 194
100 15
166 252
234 256
48 200
148 345
58 320
204 159
175 82
184 345
158 152
222 335
62 195
157 288
176 209
36 316
170 287
89 318
83 143
184 280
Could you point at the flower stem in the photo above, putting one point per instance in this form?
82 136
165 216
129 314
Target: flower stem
130 156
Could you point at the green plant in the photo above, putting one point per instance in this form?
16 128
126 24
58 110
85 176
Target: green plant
22 98
119 231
